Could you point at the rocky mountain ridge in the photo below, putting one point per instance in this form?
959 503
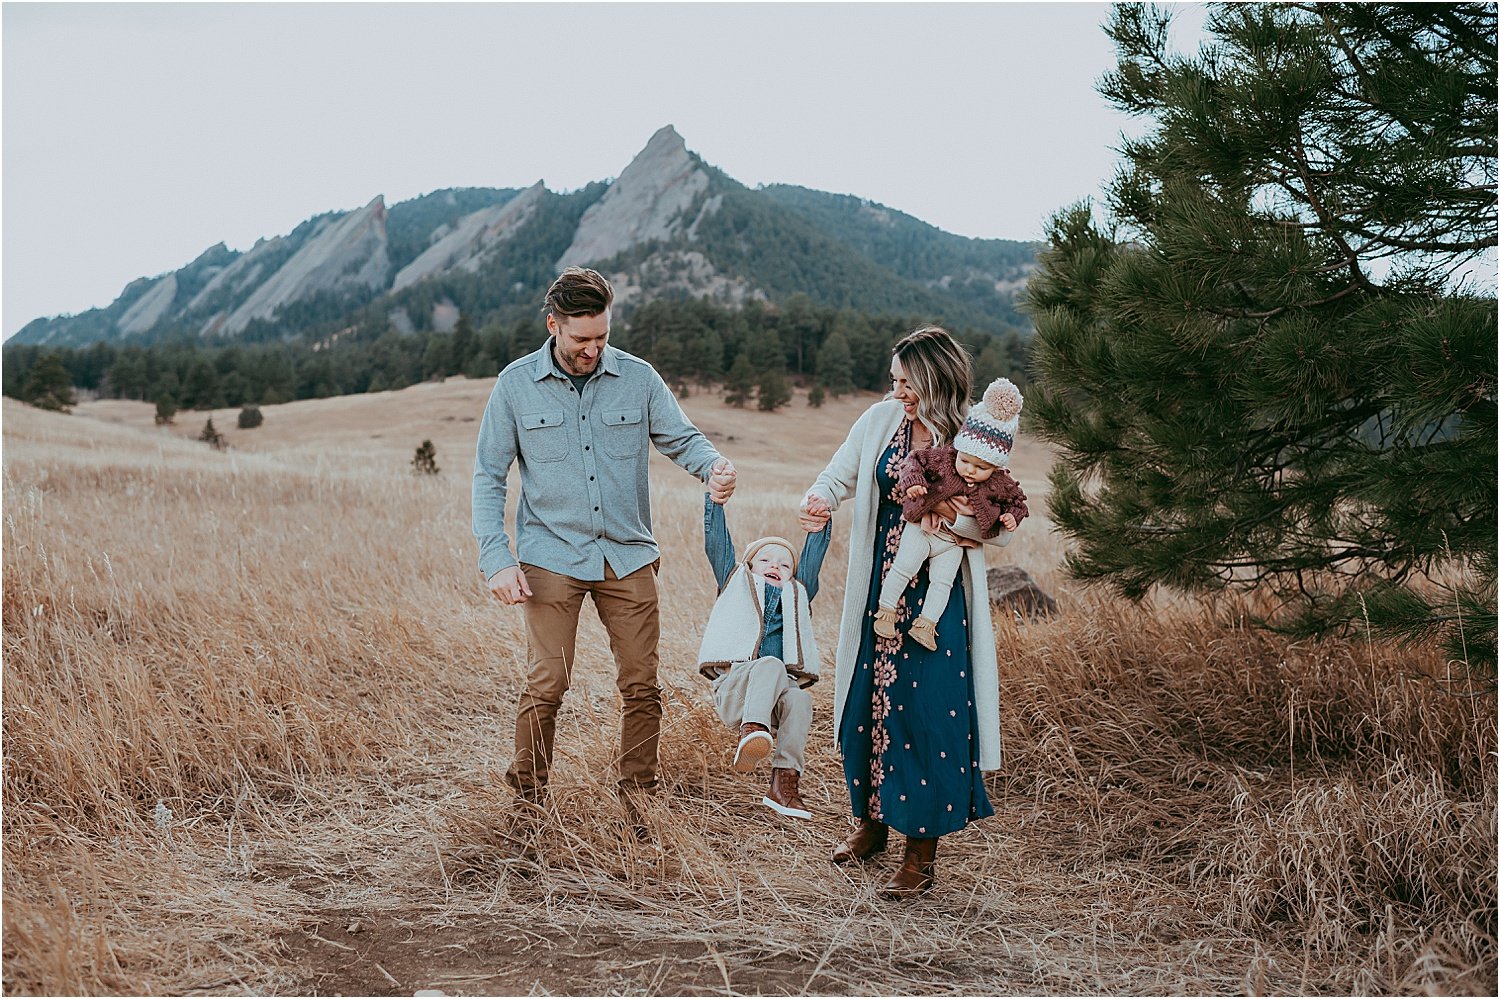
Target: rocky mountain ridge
669 224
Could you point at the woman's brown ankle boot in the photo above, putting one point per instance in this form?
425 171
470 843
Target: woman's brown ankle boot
867 839
917 871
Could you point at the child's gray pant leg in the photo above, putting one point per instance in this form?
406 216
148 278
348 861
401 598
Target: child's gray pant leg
759 691
793 720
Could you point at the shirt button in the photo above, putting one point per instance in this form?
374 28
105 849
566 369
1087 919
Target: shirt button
585 447
591 478
596 509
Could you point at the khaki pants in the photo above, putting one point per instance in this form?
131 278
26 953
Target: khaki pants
627 607
760 691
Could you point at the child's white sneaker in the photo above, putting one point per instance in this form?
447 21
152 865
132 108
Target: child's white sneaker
755 745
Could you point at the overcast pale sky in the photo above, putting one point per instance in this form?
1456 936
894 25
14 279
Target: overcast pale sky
135 136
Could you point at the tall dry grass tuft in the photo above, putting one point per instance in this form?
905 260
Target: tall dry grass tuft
1341 792
249 693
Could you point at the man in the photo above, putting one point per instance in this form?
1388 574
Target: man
579 417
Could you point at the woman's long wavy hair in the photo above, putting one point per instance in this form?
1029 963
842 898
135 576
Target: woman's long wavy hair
939 371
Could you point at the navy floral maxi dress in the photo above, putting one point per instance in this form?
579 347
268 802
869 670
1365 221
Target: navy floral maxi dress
909 734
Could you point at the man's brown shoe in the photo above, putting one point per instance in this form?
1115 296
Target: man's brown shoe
783 796
917 872
755 745
867 839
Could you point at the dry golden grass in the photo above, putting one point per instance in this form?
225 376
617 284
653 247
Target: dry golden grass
288 647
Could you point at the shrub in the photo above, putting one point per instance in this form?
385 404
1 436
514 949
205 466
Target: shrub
250 418
165 410
212 437
425 460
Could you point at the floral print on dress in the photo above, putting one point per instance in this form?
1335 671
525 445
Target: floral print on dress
887 648
899 739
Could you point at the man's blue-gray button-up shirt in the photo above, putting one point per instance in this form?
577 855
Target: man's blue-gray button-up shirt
583 456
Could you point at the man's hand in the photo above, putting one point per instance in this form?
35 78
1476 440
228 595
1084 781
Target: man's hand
721 481
916 491
814 513
509 586
1008 522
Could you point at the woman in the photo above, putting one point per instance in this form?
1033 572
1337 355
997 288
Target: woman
915 727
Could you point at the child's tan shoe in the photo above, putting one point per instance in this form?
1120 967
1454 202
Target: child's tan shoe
885 622
924 633
755 745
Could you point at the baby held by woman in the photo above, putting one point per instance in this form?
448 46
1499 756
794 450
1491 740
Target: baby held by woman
974 470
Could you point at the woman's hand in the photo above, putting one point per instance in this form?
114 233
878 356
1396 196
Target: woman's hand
947 509
962 507
814 513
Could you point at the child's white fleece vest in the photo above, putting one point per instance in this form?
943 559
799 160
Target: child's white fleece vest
737 622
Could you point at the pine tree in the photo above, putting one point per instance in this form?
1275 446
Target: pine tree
165 410
1268 368
836 364
773 391
463 346
201 388
741 381
49 386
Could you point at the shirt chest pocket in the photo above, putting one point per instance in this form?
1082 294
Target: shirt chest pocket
543 436
622 434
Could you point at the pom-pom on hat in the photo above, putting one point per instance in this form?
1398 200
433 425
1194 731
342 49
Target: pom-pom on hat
989 431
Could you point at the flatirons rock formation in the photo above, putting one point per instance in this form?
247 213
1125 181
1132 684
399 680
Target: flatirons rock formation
344 253
668 225
463 247
647 201
149 309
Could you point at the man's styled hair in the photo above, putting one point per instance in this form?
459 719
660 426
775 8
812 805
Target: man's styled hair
579 291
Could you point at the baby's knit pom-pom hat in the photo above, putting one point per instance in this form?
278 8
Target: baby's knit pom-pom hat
990 429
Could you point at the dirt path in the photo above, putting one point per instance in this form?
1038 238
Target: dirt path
402 953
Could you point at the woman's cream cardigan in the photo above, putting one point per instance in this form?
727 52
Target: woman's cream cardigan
851 472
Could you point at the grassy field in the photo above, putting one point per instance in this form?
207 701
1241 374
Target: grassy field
257 708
